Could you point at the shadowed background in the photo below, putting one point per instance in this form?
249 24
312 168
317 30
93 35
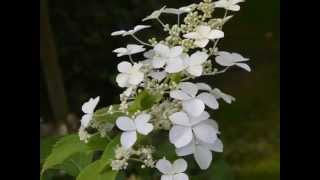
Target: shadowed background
77 63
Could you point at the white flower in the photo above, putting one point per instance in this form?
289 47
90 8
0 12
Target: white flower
130 32
203 34
231 5
171 58
158 75
192 104
185 126
230 59
187 8
130 49
88 108
173 171
176 11
194 63
154 14
216 92
129 75
131 127
201 151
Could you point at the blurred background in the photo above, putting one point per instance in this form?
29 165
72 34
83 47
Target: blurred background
77 63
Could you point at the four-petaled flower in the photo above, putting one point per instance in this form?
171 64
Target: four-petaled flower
192 104
216 92
173 171
154 14
201 151
130 32
130 49
129 75
232 59
171 58
203 34
231 5
88 108
184 127
194 63
131 127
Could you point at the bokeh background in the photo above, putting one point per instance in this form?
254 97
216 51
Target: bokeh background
77 63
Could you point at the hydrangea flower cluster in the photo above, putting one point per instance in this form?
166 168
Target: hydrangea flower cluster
159 94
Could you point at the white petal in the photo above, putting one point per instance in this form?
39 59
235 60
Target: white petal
158 62
149 54
88 107
244 66
224 59
140 27
195 70
180 95
198 58
124 66
128 138
175 65
120 51
217 146
125 123
176 51
136 78
209 99
205 133
192 35
193 107
226 97
203 86
238 58
234 8
185 150
201 42
158 75
190 88
180 136
117 33
142 125
203 30
180 118
202 117
85 120
179 166
213 124
164 166
122 79
203 157
134 48
216 34
162 50
167 177
180 176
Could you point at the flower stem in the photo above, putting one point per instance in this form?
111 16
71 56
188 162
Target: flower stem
141 42
164 26
130 58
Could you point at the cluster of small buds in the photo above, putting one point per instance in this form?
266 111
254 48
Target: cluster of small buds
83 135
162 112
153 41
187 44
123 155
207 8
191 21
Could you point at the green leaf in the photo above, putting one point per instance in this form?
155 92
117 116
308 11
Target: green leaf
219 170
76 163
108 154
62 150
97 143
46 144
144 100
92 172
